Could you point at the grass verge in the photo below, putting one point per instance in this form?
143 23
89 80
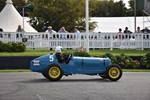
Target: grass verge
136 70
40 52
15 70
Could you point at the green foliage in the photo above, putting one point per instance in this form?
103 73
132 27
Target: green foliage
76 53
107 8
110 56
145 61
3 47
58 13
123 60
135 64
81 54
21 47
2 4
12 47
65 53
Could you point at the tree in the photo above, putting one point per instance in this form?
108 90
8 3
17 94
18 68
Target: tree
2 4
131 9
107 8
58 13
119 9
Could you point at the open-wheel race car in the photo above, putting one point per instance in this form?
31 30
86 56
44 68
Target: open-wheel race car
52 69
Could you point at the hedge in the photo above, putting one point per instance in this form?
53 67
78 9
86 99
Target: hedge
12 47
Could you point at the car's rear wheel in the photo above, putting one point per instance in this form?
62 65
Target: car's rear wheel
54 72
114 72
103 76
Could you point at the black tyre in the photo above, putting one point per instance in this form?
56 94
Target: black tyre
114 72
44 74
103 76
54 72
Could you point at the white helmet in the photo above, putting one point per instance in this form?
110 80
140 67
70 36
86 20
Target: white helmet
58 49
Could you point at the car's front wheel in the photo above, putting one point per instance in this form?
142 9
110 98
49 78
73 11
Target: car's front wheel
114 72
54 72
45 75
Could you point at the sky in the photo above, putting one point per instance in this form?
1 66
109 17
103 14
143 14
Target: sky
125 1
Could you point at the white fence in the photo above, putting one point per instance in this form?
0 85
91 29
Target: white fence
96 40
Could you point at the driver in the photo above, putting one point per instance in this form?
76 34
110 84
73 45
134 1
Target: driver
59 56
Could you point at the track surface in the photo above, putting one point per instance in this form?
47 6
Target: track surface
33 86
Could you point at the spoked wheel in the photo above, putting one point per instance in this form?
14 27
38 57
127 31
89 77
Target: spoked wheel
114 72
54 72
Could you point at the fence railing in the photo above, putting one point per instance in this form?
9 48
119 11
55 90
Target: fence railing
69 40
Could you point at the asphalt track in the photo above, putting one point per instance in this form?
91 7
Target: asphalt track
33 86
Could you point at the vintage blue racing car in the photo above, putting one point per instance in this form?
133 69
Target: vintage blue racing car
53 70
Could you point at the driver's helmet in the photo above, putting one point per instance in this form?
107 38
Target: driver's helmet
58 49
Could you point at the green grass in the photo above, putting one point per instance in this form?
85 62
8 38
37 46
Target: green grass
28 52
136 70
27 70
15 70
39 52
128 52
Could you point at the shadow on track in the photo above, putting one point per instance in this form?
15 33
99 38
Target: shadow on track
44 80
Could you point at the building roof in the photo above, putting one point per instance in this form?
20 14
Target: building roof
112 24
10 19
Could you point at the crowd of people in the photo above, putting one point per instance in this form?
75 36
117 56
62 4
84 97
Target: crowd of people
127 31
62 32
63 35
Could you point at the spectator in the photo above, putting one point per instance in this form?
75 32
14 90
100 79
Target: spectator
50 31
77 33
138 30
19 29
126 31
120 31
146 30
1 30
63 32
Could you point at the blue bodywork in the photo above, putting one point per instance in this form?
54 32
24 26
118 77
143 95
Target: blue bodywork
77 65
